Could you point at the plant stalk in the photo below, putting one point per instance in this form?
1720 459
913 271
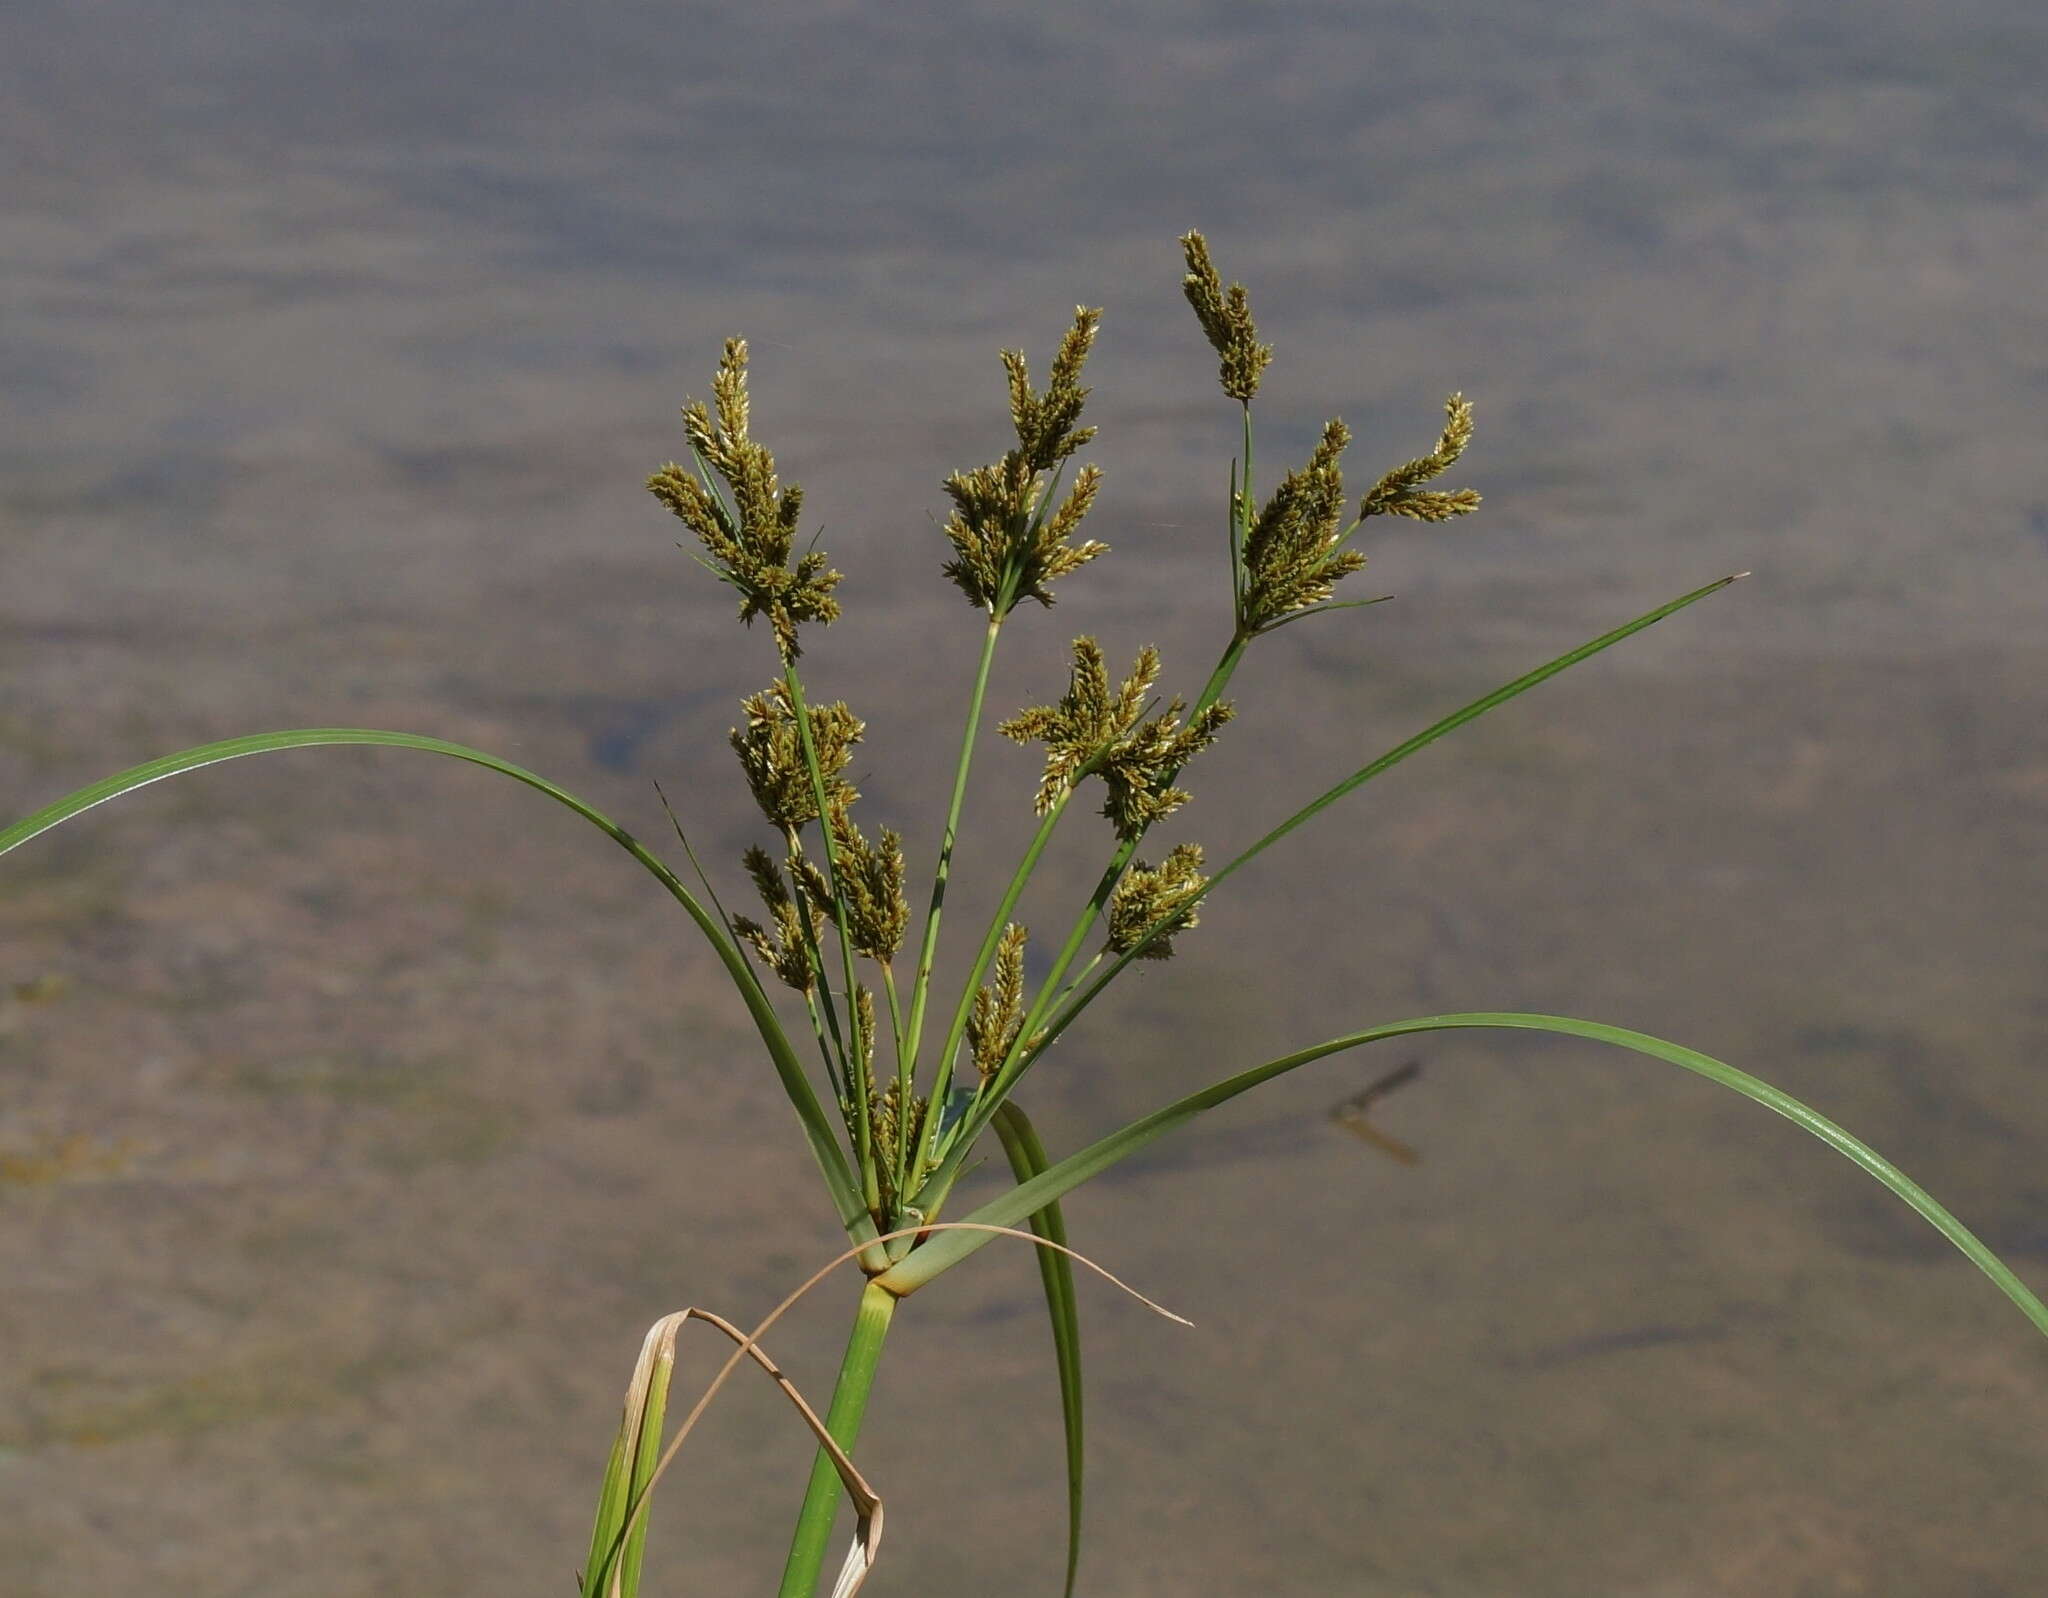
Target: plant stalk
813 1533
934 1107
855 1062
920 986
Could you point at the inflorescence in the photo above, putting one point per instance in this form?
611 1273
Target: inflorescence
1013 535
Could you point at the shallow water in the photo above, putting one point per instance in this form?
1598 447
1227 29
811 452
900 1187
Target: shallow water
381 1110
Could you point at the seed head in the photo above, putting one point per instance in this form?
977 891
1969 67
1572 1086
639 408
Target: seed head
1226 317
889 1122
1294 554
998 1013
785 949
1147 897
748 530
771 755
1093 731
1046 434
1400 493
1008 542
864 1025
871 878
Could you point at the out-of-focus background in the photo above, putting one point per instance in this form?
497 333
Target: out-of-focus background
358 1111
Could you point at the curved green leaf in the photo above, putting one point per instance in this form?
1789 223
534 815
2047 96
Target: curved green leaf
1028 1159
949 1248
852 1213
949 1169
1455 720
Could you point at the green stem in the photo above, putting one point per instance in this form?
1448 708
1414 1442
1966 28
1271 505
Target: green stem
839 1091
849 1403
1241 522
905 1083
934 1106
1074 983
856 1051
929 948
794 844
1236 555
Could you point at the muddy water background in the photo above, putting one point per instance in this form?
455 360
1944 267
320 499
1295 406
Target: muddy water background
385 1105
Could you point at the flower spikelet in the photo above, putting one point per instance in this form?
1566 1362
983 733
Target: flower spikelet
889 1123
989 503
1138 770
871 877
811 882
1400 492
771 755
1148 896
1094 730
998 1013
786 949
1046 554
749 531
864 1023
882 1118
1008 542
1046 434
885 1125
1086 721
1294 554
1226 317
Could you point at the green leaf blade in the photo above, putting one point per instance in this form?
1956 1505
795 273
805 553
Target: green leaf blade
1028 1159
949 1248
824 1145
1472 712
611 1516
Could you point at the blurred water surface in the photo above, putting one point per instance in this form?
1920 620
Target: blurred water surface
381 1110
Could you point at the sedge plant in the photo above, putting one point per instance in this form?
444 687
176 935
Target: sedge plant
895 1086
